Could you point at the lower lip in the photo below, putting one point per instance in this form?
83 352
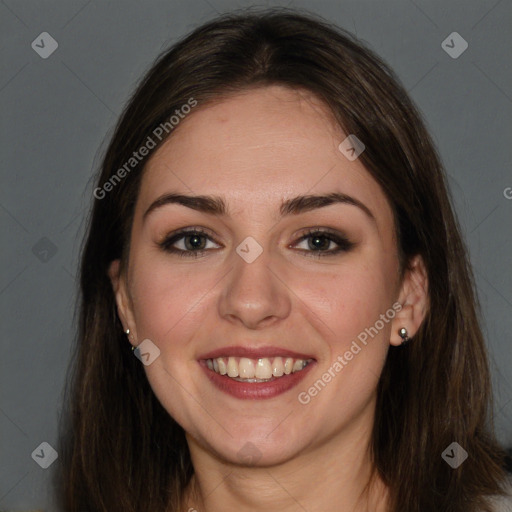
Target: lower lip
256 390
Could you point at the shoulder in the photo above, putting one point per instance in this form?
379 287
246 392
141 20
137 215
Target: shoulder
503 503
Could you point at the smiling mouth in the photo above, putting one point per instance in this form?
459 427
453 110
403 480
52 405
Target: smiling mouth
264 369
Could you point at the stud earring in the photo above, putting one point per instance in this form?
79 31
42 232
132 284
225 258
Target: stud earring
127 332
403 334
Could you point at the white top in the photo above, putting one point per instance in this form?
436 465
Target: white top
504 503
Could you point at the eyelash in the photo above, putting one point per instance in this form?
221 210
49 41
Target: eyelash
344 245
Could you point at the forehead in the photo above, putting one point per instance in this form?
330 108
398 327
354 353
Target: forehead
257 148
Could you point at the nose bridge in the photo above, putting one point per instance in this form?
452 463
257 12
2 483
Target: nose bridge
252 293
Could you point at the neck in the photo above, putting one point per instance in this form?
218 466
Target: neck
333 476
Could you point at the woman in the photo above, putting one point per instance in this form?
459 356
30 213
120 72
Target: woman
272 233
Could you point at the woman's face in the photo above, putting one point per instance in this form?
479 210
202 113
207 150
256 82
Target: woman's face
255 288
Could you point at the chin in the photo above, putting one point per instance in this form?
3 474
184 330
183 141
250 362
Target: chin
258 447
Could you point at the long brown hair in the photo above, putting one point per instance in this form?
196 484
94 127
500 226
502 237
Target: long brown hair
120 450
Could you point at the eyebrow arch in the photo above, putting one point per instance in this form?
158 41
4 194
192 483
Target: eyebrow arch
215 205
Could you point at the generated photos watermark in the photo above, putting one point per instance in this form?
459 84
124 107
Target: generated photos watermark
454 455
137 156
341 361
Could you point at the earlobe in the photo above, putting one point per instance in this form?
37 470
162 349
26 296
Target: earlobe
414 300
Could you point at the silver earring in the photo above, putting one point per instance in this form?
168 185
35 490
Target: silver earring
127 332
403 334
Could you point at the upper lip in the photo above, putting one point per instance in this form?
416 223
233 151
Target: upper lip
254 353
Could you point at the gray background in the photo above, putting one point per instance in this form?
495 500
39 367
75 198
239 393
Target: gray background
58 112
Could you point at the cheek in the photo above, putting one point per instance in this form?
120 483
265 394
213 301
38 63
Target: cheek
170 304
349 299
169 300
350 302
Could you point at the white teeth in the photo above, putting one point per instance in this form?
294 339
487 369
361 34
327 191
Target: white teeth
278 367
232 367
223 369
263 369
244 369
298 365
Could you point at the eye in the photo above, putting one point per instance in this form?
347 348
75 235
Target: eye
193 242
187 243
321 242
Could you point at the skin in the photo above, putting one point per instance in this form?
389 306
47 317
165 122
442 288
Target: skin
257 149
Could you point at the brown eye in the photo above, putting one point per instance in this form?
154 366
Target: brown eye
194 241
321 242
187 243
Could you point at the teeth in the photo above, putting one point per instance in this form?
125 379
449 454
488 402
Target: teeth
278 367
263 369
297 366
223 369
232 367
244 369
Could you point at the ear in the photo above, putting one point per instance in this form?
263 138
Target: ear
123 300
414 300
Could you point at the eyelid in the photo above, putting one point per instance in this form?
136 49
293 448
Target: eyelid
341 240
187 231
315 230
166 244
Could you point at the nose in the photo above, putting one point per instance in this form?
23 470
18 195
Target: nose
255 294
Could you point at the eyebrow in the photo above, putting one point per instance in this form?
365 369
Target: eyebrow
215 205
